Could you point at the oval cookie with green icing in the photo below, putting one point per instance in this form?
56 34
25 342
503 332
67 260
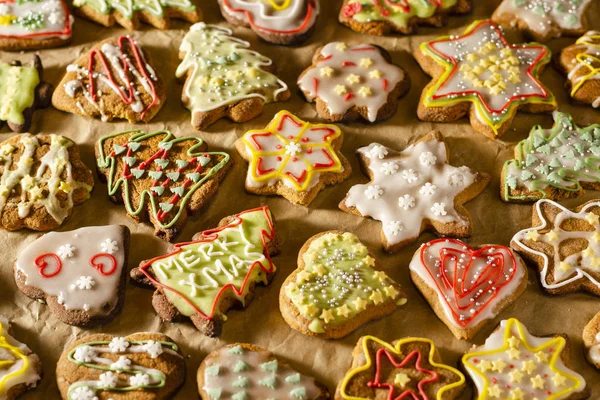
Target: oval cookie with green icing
219 269
243 371
138 366
337 287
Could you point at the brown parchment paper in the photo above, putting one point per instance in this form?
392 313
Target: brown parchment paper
262 324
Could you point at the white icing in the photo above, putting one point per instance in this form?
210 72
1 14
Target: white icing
595 350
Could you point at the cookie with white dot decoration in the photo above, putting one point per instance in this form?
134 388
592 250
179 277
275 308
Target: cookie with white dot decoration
544 19
515 364
564 246
591 340
138 366
353 82
414 190
293 158
465 286
80 275
243 371
337 287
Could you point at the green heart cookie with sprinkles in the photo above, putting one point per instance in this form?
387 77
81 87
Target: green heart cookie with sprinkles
219 269
159 177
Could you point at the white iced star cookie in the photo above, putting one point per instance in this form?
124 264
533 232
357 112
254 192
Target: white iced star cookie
591 340
422 192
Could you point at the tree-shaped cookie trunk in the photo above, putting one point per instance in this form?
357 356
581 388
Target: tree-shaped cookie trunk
224 78
160 177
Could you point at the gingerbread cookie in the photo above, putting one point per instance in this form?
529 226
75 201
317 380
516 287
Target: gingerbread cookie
544 19
293 158
114 81
414 190
382 17
243 371
196 282
591 340
30 25
514 364
41 179
407 368
138 366
20 368
326 295
554 163
482 75
131 14
159 177
564 246
223 78
350 83
280 22
79 274
22 92
465 286
581 63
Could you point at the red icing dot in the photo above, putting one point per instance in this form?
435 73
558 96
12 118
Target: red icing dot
511 366
475 360
309 151
295 159
305 139
494 380
278 158
279 146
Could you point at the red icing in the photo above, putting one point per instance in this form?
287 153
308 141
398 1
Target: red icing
43 265
104 269
351 9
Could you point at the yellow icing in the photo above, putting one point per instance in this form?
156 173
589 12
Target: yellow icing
17 352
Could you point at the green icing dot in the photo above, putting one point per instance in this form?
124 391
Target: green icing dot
241 382
595 151
543 169
587 137
294 378
555 163
579 165
527 175
530 159
298 393
134 146
240 396
118 149
569 155
538 141
270 366
240 366
214 393
236 350
511 181
556 142
268 382
554 177
213 370
580 147
544 149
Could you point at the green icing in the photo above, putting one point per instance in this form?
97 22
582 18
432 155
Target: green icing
573 159
331 287
214 393
234 256
240 396
236 350
294 378
128 7
213 370
270 366
241 382
397 14
240 366
298 393
268 382
17 91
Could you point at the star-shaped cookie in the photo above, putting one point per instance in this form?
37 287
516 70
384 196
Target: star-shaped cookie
564 245
481 74
514 364
293 158
409 368
414 190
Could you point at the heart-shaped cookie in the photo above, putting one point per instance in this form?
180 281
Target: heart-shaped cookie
80 274
467 286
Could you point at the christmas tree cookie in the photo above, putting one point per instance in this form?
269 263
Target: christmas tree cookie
115 80
481 75
409 368
556 163
414 190
30 25
224 78
326 295
130 14
243 371
293 158
202 279
382 17
514 364
159 177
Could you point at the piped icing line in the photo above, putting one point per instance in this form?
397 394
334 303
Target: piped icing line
37 20
396 12
130 7
17 363
291 151
572 268
112 57
214 60
507 348
560 157
88 355
466 80
179 199
345 77
191 262
82 268
52 165
469 283
390 351
291 17
587 66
